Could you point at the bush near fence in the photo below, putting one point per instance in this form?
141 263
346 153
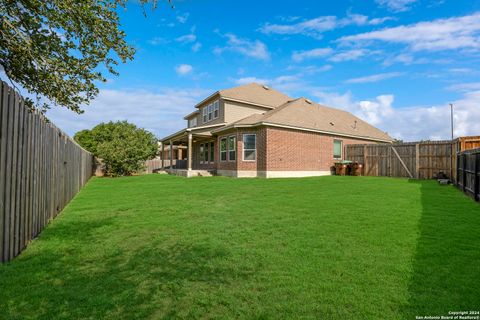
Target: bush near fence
41 170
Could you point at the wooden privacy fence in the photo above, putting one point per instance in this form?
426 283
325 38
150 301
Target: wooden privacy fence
41 170
154 165
420 160
468 172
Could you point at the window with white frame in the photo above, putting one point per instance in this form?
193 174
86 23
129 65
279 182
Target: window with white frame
205 114
216 109
249 147
337 149
210 112
212 152
223 149
232 148
192 122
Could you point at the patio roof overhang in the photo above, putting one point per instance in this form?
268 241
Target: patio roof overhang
196 132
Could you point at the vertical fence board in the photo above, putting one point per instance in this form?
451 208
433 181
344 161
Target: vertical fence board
41 170
3 153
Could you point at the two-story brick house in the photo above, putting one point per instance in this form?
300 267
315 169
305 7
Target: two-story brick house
256 131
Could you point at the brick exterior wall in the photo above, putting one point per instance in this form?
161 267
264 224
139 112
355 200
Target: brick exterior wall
278 149
239 164
293 150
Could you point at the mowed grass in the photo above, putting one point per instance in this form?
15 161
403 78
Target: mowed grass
161 247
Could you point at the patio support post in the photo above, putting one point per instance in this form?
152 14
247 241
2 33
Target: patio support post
163 155
171 155
189 152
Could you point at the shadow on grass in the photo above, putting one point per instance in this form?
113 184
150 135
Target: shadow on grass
446 266
148 282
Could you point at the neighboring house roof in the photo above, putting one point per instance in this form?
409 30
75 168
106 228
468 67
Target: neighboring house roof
303 114
252 93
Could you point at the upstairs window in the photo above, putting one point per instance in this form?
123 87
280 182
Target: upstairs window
249 147
216 109
192 122
211 111
205 114
337 149
232 148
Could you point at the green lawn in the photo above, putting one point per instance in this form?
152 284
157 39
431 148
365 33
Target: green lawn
161 247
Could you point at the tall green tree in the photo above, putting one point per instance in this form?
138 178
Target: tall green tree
122 146
60 49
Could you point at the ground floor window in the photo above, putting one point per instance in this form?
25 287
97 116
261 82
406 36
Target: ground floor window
249 147
223 149
212 152
337 149
202 152
206 152
232 148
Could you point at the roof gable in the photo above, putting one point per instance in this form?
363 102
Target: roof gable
252 93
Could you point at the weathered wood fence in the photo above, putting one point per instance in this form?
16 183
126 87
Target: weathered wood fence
421 160
468 172
41 170
154 165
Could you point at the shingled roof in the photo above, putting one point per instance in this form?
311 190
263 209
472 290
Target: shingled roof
253 93
304 114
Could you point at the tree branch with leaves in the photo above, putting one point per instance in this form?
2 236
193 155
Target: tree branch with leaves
59 50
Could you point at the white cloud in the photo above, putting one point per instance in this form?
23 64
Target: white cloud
349 55
313 27
285 83
183 69
441 34
411 123
316 26
375 77
461 70
311 69
182 18
299 56
250 48
196 46
156 41
462 87
160 112
396 5
187 38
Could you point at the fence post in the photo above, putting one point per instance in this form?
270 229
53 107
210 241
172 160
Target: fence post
464 173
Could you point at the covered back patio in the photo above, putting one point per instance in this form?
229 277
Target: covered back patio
189 139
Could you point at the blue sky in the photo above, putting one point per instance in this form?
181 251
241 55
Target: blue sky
394 63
